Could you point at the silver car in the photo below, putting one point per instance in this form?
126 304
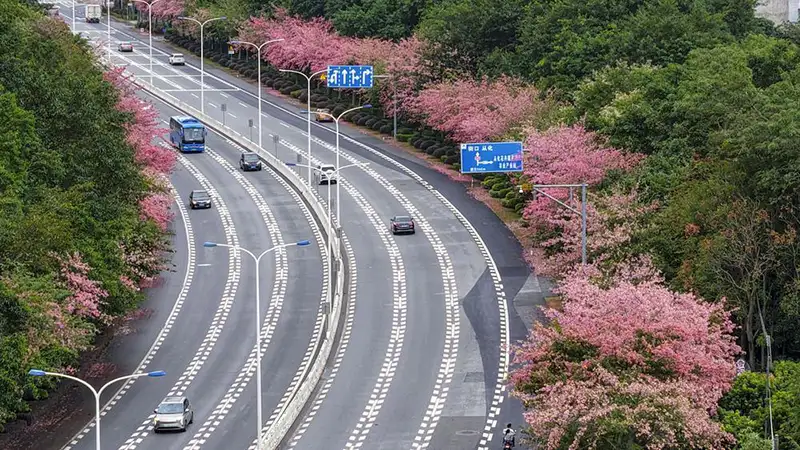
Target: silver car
174 413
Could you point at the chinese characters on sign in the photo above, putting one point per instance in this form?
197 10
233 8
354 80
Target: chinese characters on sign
491 157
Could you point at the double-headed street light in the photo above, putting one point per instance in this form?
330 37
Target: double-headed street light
258 47
308 102
202 59
150 33
257 260
97 393
109 4
336 119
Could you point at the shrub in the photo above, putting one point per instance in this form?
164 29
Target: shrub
363 120
296 94
387 129
377 125
370 121
452 159
337 110
404 137
287 90
426 144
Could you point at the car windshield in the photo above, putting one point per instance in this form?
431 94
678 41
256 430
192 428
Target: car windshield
170 408
193 135
251 157
327 168
177 55
402 219
200 195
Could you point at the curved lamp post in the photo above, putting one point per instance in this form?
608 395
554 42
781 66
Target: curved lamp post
97 393
150 32
308 101
257 260
336 119
260 87
202 59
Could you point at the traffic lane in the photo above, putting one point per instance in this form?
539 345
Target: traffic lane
238 335
190 326
423 347
339 411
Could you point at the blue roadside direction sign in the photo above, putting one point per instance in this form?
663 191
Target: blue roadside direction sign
487 157
350 77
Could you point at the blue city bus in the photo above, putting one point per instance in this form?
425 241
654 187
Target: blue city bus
187 134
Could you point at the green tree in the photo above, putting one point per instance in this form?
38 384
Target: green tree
383 19
464 33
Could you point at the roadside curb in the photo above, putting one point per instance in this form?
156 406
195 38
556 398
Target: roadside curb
311 377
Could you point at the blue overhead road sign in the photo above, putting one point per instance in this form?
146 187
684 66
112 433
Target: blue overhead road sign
488 157
351 77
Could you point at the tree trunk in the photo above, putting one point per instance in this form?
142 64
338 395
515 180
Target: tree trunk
751 345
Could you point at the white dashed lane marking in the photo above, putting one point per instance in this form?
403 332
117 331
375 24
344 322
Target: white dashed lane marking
220 316
317 333
224 406
162 335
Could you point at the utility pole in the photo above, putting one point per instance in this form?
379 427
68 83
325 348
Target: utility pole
537 188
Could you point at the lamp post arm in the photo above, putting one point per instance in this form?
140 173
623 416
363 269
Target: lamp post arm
126 377
70 377
295 71
235 247
269 250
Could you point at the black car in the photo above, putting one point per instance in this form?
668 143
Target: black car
199 199
249 161
402 224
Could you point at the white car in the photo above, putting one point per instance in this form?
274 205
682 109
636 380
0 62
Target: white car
176 59
326 174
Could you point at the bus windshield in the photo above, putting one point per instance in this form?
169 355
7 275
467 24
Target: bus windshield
193 135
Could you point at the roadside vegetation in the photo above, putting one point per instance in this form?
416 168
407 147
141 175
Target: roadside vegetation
83 201
682 118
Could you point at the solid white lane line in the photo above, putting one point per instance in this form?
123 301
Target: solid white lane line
220 316
165 329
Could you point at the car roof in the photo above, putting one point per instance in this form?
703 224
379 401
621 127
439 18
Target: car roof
173 400
200 191
177 54
405 217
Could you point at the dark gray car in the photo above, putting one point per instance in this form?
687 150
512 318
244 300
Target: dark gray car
402 224
173 413
249 161
199 199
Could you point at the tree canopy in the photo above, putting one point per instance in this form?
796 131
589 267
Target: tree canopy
76 248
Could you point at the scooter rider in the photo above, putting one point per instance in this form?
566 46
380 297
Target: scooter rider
509 435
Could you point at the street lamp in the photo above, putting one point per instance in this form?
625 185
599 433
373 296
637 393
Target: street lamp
308 101
202 60
336 119
258 47
97 394
150 32
109 4
257 260
394 104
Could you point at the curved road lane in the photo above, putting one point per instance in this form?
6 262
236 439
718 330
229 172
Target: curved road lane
480 288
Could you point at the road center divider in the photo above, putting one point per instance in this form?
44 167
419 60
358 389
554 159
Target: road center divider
309 380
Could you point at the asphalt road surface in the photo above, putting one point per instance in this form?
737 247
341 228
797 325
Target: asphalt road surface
421 356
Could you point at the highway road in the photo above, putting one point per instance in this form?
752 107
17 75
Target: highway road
421 360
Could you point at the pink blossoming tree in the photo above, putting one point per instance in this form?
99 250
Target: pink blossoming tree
476 111
155 207
163 9
567 155
86 295
628 363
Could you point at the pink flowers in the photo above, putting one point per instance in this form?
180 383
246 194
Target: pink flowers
155 207
476 111
86 295
668 355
